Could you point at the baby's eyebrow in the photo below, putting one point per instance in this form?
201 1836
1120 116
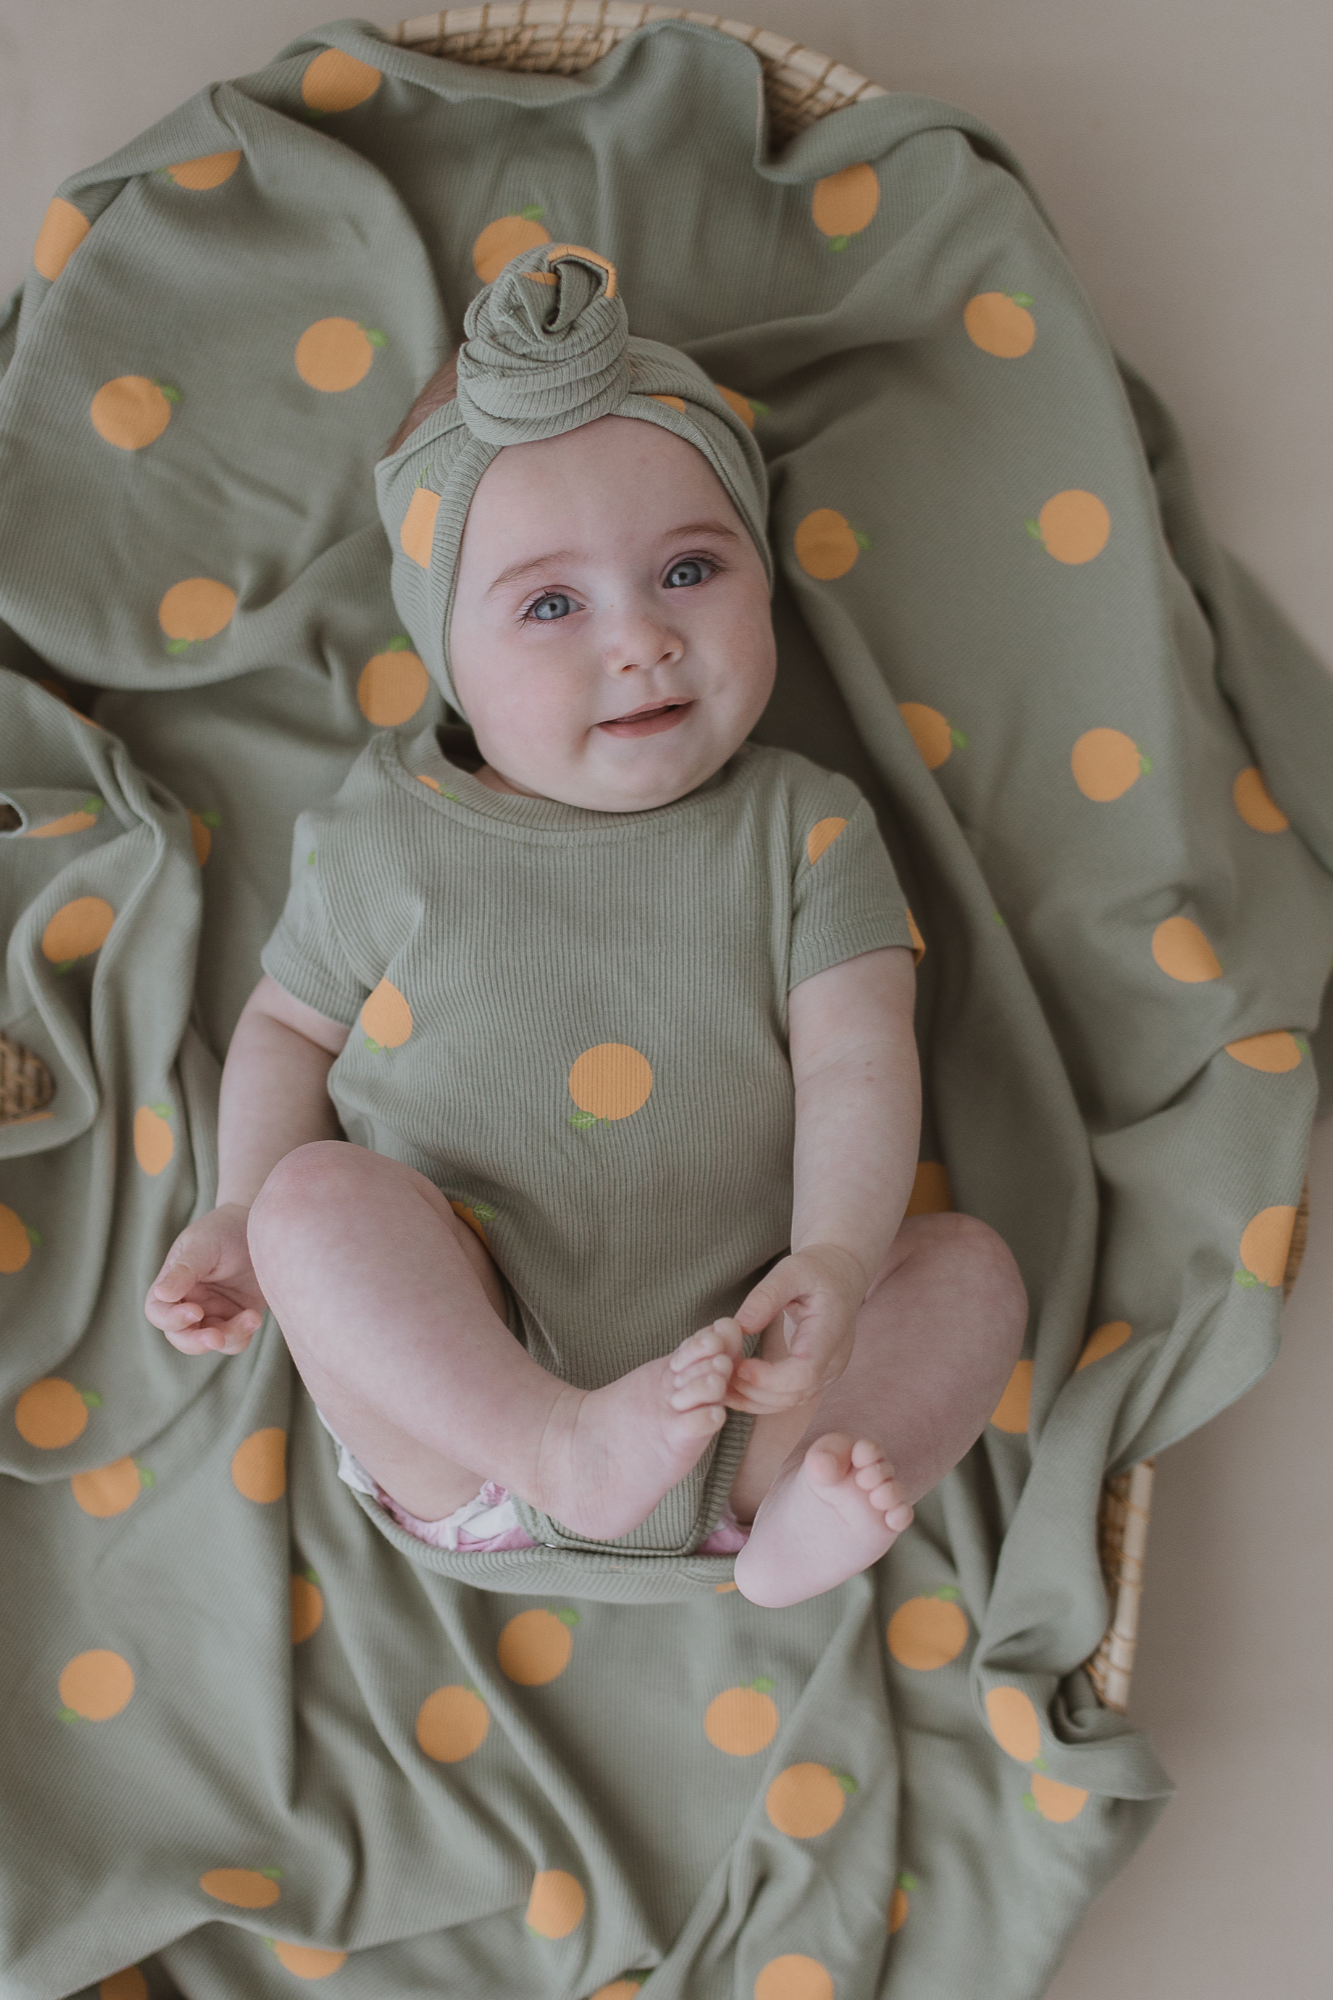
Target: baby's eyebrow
550 561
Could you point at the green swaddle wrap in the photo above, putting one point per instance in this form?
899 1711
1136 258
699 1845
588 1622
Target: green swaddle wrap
547 349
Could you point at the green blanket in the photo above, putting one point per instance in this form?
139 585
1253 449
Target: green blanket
250 1743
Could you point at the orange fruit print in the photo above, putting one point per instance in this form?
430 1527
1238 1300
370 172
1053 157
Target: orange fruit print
556 1904
1252 800
535 1646
259 1465
335 354
807 1799
1012 1411
386 1018
1073 526
243 1888
609 1081
506 238
335 81
928 1632
794 1976
95 1686
842 204
452 1723
63 229
999 323
742 1720
1105 763
827 545
131 411
52 1413
210 170
392 685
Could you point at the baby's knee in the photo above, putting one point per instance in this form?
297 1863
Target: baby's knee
978 1256
306 1189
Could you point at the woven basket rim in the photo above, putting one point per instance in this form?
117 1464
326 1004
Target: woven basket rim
567 36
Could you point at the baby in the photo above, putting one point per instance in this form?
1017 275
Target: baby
616 1010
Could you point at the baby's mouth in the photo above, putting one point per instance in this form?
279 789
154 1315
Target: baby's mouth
649 720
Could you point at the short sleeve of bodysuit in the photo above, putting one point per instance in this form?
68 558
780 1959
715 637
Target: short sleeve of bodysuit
306 953
845 894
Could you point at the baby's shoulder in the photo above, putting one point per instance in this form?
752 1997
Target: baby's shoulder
798 795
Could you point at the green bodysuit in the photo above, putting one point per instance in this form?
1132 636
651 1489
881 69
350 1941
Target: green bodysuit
574 1023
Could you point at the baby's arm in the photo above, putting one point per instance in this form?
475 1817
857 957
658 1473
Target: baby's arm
858 1119
275 1097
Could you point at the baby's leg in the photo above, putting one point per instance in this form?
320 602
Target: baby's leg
393 1312
832 1484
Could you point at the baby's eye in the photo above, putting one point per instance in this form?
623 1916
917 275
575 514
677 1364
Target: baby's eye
691 569
554 604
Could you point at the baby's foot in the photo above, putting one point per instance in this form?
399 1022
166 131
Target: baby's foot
826 1517
610 1454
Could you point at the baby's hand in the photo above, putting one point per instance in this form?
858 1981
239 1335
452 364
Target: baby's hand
206 1298
819 1291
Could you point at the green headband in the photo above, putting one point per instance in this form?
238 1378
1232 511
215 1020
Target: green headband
547 348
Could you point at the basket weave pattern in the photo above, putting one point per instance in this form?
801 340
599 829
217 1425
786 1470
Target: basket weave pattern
562 37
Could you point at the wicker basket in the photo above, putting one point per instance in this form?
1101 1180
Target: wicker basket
566 36
800 86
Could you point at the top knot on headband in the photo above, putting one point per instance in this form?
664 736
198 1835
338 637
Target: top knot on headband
546 349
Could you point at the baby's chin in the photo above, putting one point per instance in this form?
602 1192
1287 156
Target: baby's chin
618 776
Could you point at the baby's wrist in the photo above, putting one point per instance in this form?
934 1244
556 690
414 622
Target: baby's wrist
846 1265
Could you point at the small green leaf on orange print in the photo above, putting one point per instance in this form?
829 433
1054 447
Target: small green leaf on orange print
166 391
377 1048
451 795
273 1874
1034 529
92 804
91 1398
1029 1803
483 1211
957 738
862 541
908 1882
533 214
1145 764
64 966
1301 1044
147 1477
400 643
838 242
568 1616
67 1715
1246 1278
211 819
1020 298
999 920
848 1783
375 337
1040 1764
581 1120
178 645
760 409
309 860
162 1110
763 1685
33 1235
531 1929
949 1592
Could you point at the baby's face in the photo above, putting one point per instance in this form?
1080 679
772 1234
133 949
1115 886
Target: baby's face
611 639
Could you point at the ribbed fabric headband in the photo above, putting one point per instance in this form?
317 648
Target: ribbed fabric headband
547 348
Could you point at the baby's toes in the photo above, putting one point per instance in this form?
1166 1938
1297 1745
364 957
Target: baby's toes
709 1385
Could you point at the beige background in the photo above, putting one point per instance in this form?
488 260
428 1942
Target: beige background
1182 147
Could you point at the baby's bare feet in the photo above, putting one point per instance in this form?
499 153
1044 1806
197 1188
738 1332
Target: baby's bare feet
609 1455
826 1517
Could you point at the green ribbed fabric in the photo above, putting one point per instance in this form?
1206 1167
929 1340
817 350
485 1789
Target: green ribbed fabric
593 1049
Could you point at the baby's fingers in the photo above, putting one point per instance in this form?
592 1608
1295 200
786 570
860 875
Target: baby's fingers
231 1336
173 1281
